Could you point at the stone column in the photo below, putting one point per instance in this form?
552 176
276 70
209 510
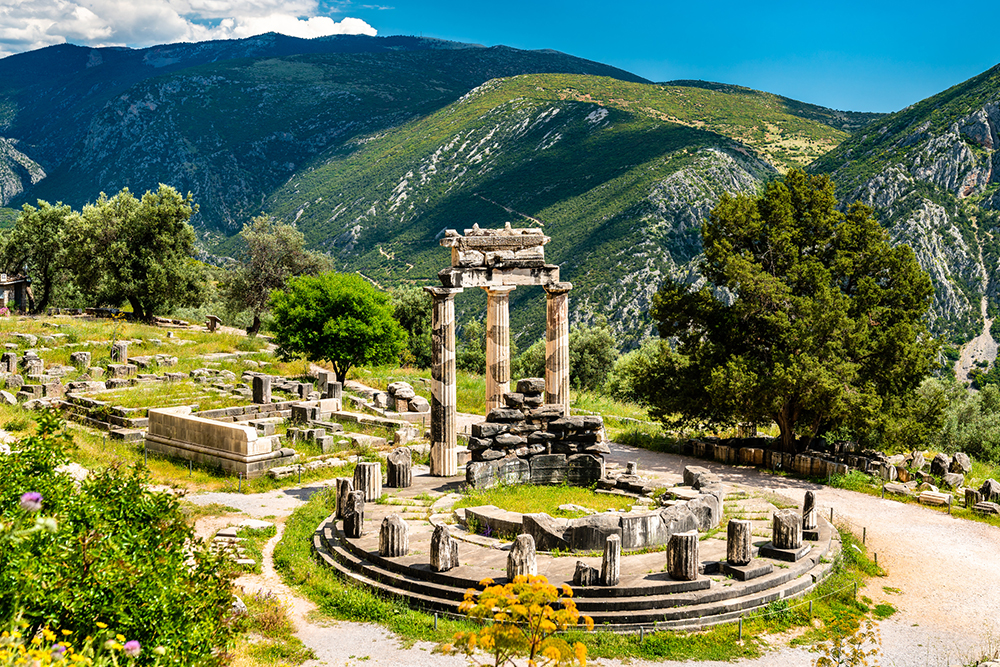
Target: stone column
521 559
682 556
786 530
261 389
497 345
444 427
809 511
345 487
444 550
354 514
393 537
399 468
739 550
368 480
557 345
611 565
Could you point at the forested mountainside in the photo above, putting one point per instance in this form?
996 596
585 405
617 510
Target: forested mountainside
931 173
226 120
619 174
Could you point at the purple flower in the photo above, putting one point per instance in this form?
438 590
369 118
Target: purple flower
31 501
59 648
131 649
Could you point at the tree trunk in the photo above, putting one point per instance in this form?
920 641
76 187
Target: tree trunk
137 310
787 432
255 327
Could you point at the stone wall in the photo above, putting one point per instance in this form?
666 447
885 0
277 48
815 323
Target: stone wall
531 442
233 447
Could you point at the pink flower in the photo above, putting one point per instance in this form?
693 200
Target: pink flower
132 649
31 501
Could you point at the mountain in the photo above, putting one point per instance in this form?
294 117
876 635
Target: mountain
227 120
932 173
619 174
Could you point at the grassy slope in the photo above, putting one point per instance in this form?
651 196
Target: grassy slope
586 156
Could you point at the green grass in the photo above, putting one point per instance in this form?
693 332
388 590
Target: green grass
269 637
529 499
254 541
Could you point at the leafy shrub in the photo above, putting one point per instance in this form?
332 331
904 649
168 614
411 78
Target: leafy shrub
972 424
118 554
626 374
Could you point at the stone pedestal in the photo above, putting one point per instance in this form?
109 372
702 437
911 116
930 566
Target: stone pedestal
521 559
119 352
80 360
335 390
809 518
786 530
739 550
682 556
354 514
444 550
444 427
611 565
261 389
393 537
584 575
8 362
345 486
368 480
557 345
324 379
399 468
497 345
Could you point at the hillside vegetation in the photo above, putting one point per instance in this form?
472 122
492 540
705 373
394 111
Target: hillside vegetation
619 174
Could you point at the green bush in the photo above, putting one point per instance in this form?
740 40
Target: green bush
626 374
116 553
972 424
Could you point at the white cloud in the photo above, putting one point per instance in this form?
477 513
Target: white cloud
33 24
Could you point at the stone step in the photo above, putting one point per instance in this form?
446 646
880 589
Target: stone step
625 609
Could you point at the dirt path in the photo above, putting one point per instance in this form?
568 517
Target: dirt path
945 570
980 348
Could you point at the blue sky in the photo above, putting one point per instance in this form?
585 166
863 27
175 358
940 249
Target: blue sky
861 56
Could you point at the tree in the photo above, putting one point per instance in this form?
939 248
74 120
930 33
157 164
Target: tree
411 307
336 317
471 355
137 250
592 354
809 318
37 243
275 252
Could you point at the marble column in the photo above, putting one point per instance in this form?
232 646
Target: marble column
444 426
497 345
557 345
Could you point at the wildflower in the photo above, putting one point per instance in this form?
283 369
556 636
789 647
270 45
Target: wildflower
57 652
47 523
102 626
160 650
31 501
132 649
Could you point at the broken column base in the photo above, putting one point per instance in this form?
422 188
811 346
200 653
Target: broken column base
789 555
751 570
810 535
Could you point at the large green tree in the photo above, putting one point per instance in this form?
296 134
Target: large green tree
274 252
336 317
37 243
808 318
412 309
137 250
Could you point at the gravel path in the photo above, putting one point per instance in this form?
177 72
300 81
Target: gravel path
945 570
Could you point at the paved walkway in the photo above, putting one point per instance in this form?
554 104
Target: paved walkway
946 570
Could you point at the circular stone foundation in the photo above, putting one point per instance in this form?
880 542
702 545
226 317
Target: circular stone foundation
645 596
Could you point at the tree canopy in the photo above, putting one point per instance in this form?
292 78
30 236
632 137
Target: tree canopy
37 243
336 317
137 250
808 317
274 252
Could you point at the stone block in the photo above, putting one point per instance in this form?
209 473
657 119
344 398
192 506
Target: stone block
751 570
481 474
584 575
513 470
531 385
706 510
682 556
591 532
261 389
547 532
952 480
940 464
521 561
354 514
444 550
419 404
642 530
368 479
399 468
611 563
548 469
583 469
990 491
961 464
394 537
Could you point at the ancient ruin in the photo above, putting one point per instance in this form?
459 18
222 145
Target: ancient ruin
498 261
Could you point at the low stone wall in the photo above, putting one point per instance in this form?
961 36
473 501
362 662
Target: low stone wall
233 447
530 442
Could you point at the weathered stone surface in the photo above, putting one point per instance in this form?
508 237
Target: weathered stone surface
611 564
972 497
345 486
261 389
682 556
940 465
584 575
514 400
678 519
990 491
481 474
960 463
368 480
642 530
504 416
521 561
488 430
548 469
739 550
547 532
583 469
809 511
917 463
591 532
513 470
399 468
531 385
8 398
934 498
509 441
393 537
986 508
786 530
444 550
401 390
354 514
80 359
419 404
706 511
952 480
